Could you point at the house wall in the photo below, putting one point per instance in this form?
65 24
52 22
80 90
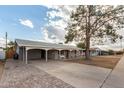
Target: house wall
34 54
72 54
53 54
65 53
21 52
79 54
31 54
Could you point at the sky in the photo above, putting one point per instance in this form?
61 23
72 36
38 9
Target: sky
34 22
22 22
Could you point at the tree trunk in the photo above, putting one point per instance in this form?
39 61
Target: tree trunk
88 34
87 47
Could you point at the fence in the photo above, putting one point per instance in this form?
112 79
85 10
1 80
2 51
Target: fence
10 52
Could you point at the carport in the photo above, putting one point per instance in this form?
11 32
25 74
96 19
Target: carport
27 50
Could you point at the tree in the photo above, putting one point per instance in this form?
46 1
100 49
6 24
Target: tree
111 52
81 45
11 43
93 23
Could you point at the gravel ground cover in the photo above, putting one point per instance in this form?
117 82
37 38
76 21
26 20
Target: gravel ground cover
19 75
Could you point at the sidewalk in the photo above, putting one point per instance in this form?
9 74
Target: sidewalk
116 78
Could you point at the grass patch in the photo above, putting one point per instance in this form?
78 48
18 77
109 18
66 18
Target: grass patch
100 61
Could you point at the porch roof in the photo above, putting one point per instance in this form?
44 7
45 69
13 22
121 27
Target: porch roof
29 43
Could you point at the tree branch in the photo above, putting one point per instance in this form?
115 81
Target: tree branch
109 12
108 21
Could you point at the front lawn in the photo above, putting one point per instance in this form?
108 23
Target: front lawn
101 61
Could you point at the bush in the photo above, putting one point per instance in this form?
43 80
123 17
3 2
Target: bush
111 52
119 52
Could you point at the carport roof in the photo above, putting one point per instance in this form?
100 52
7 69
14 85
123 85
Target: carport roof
39 44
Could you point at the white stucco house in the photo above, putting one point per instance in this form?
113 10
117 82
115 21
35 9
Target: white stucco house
29 50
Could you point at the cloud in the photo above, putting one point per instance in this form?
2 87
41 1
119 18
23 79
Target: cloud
26 22
3 42
57 17
56 31
62 11
49 36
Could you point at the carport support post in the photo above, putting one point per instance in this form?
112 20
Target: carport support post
26 61
59 54
46 55
75 53
70 54
23 54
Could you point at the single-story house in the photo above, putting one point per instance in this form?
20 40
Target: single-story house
95 51
28 50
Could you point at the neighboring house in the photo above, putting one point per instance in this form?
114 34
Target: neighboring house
95 51
27 50
99 50
2 53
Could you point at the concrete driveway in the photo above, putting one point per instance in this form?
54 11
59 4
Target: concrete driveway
77 75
